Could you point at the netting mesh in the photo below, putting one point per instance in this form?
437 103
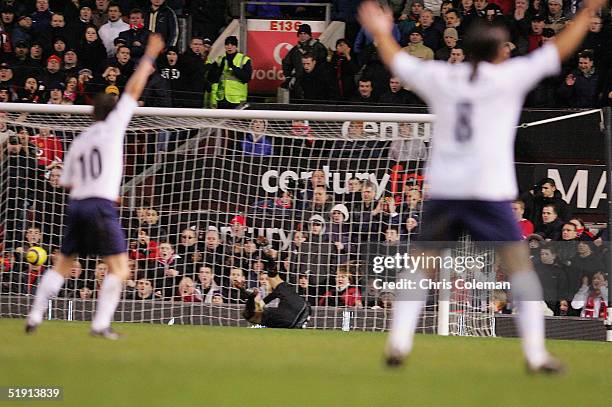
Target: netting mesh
209 206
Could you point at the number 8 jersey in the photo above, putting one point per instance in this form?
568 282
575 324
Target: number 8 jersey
93 167
472 153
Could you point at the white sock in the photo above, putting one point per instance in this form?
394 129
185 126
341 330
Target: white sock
406 312
527 294
110 293
49 286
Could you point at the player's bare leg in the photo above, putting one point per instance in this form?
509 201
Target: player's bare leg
50 284
527 295
110 293
407 310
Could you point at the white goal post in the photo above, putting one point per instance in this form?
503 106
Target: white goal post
231 194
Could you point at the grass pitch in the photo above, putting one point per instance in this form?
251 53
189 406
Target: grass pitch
159 365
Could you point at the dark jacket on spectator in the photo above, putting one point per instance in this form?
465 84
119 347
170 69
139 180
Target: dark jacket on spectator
157 92
554 283
135 35
550 230
292 63
92 54
41 21
194 72
584 93
166 23
317 85
535 203
344 72
401 97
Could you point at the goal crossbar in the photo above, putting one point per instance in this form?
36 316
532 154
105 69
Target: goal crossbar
227 113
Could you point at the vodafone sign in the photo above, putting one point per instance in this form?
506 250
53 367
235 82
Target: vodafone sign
268 42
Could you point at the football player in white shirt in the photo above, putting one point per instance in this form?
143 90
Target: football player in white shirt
471 169
93 170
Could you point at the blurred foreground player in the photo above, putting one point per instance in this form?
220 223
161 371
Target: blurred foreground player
471 171
93 172
282 308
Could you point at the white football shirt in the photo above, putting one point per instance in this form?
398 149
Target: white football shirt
472 153
93 167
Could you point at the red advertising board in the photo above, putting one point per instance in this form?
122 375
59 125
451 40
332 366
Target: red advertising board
268 41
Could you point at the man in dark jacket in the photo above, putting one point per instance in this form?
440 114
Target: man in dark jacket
551 225
544 193
162 19
581 87
316 83
344 68
553 279
136 37
292 63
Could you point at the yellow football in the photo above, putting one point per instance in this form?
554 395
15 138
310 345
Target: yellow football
36 256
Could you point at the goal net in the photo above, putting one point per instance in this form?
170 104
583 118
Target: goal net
213 201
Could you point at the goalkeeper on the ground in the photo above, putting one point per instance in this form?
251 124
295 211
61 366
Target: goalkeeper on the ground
282 308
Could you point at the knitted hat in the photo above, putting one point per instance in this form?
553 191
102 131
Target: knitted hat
451 32
342 209
305 28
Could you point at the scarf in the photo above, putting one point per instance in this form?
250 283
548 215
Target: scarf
590 308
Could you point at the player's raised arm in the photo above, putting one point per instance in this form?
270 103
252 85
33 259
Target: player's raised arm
139 78
573 34
378 21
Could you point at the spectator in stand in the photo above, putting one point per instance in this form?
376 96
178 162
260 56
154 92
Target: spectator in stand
315 84
550 228
396 95
41 18
534 38
25 273
29 93
233 73
344 68
467 12
581 88
19 61
346 11
236 292
255 142
59 46
582 232
432 37
339 233
193 76
457 55
57 29
451 36
206 284
592 299
168 270
6 78
553 280
124 62
111 30
344 294
545 93
53 72
293 67
71 64
23 32
452 19
151 224
595 40
362 213
315 255
143 291
188 241
160 18
56 94
100 13
416 48
416 7
519 23
568 245
34 63
144 249
187 291
556 20
586 262
85 20
365 92
91 50
49 148
321 203
136 37
547 194
409 148
525 225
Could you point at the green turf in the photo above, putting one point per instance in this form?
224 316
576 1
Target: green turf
159 365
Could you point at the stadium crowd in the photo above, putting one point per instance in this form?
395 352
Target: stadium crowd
64 51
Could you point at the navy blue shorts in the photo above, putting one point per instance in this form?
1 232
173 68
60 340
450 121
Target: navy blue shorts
485 221
93 228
